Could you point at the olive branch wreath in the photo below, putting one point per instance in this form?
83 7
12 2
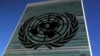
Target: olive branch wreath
60 42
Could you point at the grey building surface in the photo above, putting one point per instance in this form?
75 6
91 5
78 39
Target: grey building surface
78 45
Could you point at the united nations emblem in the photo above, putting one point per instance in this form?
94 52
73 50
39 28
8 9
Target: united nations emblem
49 29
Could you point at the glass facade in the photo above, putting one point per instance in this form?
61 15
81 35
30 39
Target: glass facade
77 46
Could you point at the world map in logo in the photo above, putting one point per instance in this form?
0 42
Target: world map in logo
49 29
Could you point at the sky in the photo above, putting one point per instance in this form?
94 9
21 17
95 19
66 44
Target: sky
11 11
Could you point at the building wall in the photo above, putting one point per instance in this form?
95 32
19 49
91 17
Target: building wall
77 46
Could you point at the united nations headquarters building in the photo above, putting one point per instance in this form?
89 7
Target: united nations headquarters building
51 28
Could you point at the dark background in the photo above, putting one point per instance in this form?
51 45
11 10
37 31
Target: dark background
11 11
